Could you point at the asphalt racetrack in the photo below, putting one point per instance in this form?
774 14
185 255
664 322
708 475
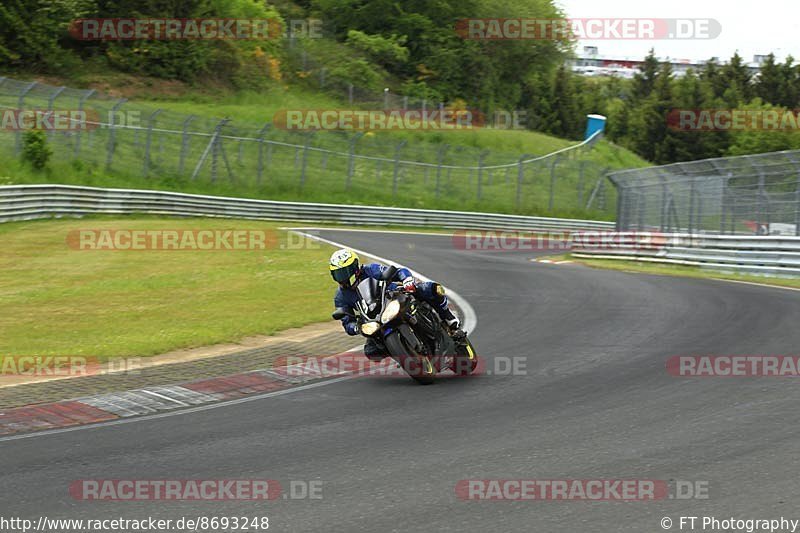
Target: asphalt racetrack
593 401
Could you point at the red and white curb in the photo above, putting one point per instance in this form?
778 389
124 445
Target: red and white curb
149 400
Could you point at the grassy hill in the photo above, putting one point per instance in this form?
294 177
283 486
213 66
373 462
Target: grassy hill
322 172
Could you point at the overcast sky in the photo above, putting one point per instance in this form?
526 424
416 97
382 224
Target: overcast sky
749 27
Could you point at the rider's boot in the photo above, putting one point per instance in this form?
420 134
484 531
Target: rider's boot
453 325
439 299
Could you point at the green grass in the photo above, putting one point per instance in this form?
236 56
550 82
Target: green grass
325 180
62 301
678 270
259 108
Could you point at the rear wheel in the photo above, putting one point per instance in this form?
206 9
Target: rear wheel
416 365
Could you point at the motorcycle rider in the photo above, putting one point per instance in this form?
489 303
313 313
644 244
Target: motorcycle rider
347 271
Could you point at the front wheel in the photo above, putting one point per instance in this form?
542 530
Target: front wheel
416 365
466 360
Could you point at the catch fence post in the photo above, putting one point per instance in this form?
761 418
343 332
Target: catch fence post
351 159
398 149
552 183
440 153
520 178
481 157
20 106
81 102
112 135
184 144
50 102
150 121
260 169
304 166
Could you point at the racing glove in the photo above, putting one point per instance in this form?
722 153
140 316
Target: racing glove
409 284
351 328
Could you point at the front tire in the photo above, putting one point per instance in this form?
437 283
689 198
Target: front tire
466 360
416 365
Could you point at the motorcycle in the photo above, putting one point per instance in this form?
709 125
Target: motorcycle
411 329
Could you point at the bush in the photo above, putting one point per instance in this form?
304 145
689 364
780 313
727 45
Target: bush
35 149
32 33
228 61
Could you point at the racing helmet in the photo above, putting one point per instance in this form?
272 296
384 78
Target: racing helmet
345 267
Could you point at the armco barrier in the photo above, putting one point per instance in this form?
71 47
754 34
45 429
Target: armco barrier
770 255
26 202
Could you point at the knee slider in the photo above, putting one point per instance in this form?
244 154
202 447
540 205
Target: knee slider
438 290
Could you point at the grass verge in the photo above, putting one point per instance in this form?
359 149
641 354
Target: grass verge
62 301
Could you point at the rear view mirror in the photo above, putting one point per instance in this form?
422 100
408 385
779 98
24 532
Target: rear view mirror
389 273
340 313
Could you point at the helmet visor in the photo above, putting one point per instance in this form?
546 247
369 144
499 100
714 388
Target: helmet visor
346 275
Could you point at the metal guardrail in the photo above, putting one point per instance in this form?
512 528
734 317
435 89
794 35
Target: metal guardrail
775 255
769 255
26 202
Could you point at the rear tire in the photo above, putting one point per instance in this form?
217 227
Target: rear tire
416 365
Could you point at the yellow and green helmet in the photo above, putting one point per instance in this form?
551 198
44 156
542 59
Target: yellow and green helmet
344 267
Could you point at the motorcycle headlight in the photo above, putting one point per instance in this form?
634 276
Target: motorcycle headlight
391 311
369 328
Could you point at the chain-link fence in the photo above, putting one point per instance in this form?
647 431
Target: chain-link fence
758 194
142 144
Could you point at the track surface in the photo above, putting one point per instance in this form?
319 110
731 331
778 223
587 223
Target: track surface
596 403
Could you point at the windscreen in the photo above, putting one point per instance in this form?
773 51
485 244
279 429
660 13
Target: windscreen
370 292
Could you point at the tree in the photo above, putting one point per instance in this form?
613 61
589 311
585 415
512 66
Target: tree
790 84
388 52
645 79
536 94
32 32
752 141
651 136
769 84
487 74
711 76
690 94
737 79
565 116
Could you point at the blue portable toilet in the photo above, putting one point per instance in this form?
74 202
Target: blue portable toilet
594 123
